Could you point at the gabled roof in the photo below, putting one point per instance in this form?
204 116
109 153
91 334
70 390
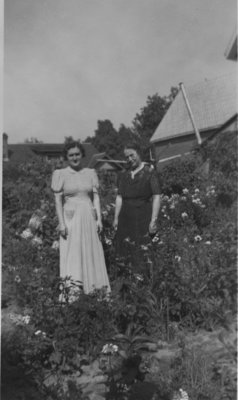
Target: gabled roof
102 158
231 50
213 102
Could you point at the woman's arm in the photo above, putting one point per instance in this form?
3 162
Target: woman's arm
96 204
155 213
59 211
118 206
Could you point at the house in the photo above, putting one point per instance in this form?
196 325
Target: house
22 152
196 113
102 161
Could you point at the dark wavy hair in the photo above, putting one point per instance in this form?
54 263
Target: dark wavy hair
71 145
134 146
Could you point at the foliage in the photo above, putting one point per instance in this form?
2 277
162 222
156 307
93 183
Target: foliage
108 139
182 279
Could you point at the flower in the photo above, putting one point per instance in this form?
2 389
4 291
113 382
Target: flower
185 191
139 277
144 247
172 206
196 191
198 238
26 234
26 319
37 333
35 222
184 215
37 241
208 242
17 279
108 241
165 198
109 348
155 239
55 245
177 258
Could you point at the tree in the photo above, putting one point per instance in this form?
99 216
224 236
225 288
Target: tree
145 122
106 138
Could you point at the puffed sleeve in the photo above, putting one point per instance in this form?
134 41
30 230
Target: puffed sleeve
57 182
95 181
155 183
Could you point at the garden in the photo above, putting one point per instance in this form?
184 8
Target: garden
168 329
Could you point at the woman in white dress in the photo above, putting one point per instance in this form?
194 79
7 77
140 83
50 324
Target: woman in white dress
79 215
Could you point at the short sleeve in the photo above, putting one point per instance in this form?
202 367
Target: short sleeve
118 183
57 182
155 183
95 181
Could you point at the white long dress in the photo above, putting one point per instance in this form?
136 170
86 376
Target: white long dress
81 254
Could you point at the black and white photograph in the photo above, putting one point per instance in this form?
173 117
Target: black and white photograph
119 199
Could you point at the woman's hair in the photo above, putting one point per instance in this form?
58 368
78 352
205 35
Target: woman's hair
71 145
134 146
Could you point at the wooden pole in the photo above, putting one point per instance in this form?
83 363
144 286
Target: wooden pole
197 133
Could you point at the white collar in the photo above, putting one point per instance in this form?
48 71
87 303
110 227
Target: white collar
134 172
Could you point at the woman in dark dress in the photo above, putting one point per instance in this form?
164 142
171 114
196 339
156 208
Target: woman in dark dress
137 202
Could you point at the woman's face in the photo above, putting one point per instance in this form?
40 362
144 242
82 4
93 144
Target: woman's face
132 157
74 156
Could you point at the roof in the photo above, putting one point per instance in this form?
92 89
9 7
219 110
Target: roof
100 158
26 151
231 50
213 102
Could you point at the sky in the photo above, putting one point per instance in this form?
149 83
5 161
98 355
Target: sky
70 63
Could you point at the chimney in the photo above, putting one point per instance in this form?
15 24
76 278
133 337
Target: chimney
5 147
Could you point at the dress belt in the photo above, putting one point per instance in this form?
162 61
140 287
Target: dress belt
136 202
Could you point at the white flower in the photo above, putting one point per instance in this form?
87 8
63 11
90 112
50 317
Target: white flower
105 213
108 241
17 279
37 241
26 234
196 201
177 258
172 206
155 239
37 333
165 198
109 348
35 222
198 238
144 247
26 319
196 191
183 395
185 191
184 215
55 245
139 277
208 242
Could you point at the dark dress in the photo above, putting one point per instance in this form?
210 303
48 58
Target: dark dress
135 214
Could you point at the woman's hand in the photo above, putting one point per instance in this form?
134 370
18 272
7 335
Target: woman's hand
115 223
63 232
99 226
153 227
